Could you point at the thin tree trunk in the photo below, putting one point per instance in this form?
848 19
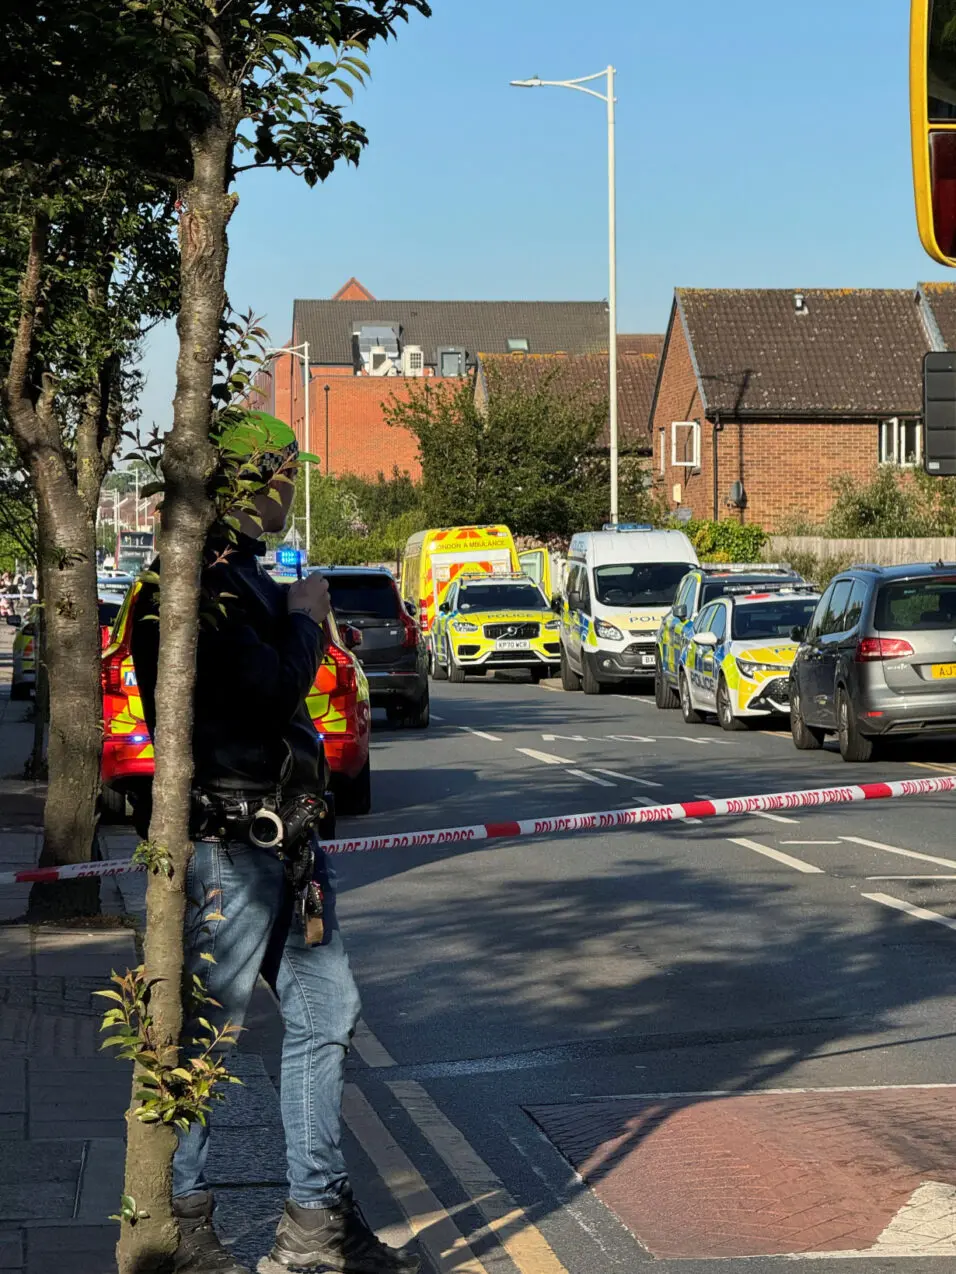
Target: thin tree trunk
36 768
186 516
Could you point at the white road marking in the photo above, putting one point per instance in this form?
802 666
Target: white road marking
937 877
547 757
492 738
436 717
809 842
546 685
631 738
629 778
591 778
919 913
796 863
569 738
903 853
636 699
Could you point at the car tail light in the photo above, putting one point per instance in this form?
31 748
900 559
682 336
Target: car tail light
872 648
423 616
111 675
345 680
410 639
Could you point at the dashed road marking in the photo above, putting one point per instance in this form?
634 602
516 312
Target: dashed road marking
918 913
591 778
436 717
492 738
938 876
796 863
568 738
547 758
809 842
903 853
627 778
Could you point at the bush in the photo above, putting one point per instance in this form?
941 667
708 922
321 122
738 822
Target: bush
895 503
726 541
820 570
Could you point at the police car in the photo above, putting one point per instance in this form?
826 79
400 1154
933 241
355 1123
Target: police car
695 590
494 621
737 662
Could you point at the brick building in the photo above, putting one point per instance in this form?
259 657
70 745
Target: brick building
585 377
364 352
765 396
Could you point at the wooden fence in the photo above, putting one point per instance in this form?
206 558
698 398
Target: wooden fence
881 552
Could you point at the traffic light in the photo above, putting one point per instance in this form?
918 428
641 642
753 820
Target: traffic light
939 414
933 124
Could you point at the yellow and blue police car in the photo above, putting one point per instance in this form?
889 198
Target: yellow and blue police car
494 621
737 663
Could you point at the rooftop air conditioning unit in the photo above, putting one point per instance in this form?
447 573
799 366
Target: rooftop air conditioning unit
379 363
413 361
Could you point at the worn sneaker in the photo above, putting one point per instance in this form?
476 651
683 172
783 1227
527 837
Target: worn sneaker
337 1239
200 1251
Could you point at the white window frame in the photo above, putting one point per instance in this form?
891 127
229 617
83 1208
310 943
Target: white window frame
694 427
892 442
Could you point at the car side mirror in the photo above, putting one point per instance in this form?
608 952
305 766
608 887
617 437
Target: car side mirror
679 611
15 621
352 637
411 609
798 633
557 603
445 608
574 600
705 639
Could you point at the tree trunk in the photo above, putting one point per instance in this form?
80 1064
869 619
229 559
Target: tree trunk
71 649
35 768
187 512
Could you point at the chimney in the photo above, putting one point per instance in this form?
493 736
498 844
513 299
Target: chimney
800 303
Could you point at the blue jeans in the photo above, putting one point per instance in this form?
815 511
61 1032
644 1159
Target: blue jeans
317 996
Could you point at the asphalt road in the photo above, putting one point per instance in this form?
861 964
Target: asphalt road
510 984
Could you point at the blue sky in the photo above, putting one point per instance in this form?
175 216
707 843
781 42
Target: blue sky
759 145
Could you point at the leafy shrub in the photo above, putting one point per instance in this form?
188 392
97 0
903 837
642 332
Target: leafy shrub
819 570
726 540
895 503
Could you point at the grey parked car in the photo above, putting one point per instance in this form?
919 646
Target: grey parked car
392 653
878 659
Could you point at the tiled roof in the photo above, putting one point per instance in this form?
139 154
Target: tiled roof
852 353
639 344
586 375
941 298
550 327
353 290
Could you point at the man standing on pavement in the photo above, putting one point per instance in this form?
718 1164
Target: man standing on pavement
254 745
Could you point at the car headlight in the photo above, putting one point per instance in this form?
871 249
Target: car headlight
552 624
463 626
607 631
749 669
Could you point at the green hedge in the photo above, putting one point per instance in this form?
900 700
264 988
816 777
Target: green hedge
726 541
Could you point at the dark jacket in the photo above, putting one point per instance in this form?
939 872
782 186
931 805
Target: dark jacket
254 667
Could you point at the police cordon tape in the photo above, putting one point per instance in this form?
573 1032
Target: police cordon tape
603 820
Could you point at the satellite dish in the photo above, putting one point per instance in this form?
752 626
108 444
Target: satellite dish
738 496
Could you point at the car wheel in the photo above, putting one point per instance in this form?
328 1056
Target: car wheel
687 709
455 672
725 711
112 806
569 679
437 670
854 746
419 713
665 696
353 796
806 738
589 683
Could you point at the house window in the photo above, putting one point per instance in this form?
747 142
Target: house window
685 444
901 443
518 345
451 362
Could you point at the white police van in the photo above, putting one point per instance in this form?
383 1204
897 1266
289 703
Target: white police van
620 583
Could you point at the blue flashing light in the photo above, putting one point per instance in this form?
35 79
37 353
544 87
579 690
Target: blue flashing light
289 557
628 526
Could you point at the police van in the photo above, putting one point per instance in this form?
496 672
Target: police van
620 583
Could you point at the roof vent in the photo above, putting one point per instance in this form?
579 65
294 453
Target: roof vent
800 303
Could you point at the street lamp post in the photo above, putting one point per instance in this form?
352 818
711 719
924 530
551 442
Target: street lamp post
580 86
301 352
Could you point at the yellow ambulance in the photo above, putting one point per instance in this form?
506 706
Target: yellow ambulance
433 559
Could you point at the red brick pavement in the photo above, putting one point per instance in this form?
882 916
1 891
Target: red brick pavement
761 1174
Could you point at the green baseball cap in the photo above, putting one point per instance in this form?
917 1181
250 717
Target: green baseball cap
269 439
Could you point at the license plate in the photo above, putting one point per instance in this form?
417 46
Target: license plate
939 671
647 661
505 644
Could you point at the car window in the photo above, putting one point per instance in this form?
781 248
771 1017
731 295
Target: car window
854 609
685 593
638 583
814 627
718 625
107 613
481 597
833 619
363 596
772 620
584 587
705 619
906 605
